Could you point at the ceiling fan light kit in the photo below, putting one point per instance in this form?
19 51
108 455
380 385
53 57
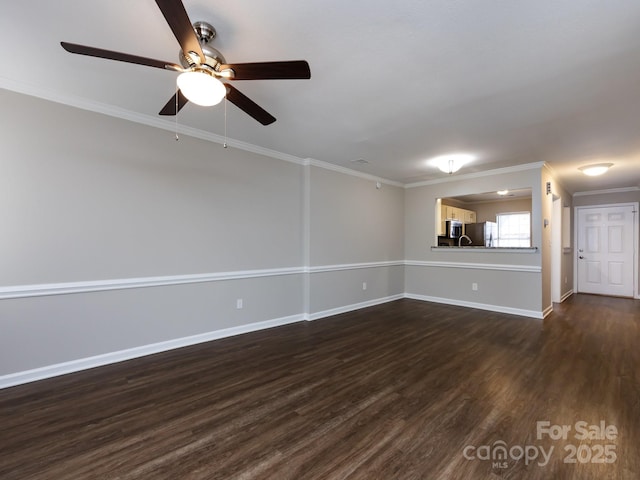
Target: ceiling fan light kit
596 169
201 88
203 69
451 163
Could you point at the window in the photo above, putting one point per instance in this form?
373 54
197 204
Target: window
514 229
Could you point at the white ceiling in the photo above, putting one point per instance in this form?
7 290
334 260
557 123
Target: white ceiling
392 83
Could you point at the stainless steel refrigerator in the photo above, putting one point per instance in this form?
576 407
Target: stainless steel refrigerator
483 234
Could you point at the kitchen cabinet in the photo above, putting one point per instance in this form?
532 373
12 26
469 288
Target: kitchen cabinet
450 213
469 216
456 213
447 212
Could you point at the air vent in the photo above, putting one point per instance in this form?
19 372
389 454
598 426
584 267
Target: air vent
360 161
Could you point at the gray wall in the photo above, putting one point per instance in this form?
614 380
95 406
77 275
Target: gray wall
91 202
109 325
512 282
356 237
447 276
120 241
89 197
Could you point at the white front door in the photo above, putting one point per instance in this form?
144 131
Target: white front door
606 250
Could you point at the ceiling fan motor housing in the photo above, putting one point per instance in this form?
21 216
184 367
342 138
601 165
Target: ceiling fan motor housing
213 57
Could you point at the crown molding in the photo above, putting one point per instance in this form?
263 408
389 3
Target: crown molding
148 120
353 173
485 173
610 190
152 121
549 167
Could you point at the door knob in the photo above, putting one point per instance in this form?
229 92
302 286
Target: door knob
581 257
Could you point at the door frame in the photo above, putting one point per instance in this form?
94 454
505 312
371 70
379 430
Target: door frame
636 233
556 249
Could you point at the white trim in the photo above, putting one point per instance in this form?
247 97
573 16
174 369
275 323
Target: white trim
476 266
484 173
566 295
65 288
353 266
480 306
611 190
21 291
352 307
136 352
547 311
636 236
349 171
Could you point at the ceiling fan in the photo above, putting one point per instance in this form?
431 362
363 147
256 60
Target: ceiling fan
203 68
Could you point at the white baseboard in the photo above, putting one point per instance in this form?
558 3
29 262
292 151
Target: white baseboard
566 295
63 368
547 311
352 307
480 306
49 371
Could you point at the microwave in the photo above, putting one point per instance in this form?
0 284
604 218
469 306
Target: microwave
453 228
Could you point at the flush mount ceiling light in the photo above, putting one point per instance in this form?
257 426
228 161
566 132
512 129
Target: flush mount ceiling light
451 163
201 87
502 192
595 170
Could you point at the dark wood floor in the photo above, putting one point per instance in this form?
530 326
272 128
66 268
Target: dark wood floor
395 391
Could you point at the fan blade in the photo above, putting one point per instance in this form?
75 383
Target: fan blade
170 107
121 57
247 105
295 69
177 18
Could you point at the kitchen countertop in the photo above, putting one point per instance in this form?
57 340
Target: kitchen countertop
476 248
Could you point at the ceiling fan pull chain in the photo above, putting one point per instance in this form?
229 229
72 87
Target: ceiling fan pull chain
225 122
176 119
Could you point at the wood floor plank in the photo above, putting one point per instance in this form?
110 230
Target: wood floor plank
395 391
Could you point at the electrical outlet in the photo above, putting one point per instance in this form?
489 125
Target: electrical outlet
239 303
565 280
364 285
474 287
